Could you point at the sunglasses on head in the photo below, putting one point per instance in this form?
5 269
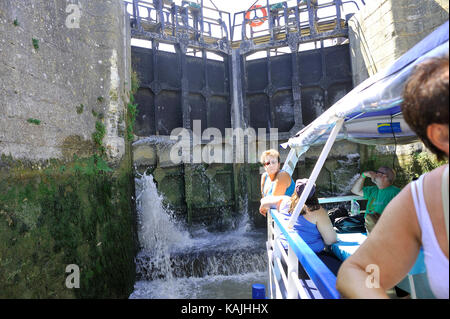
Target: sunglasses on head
273 162
380 172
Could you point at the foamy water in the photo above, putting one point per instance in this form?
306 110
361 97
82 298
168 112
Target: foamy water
168 247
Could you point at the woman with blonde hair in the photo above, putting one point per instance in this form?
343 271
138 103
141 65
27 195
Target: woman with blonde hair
274 181
313 225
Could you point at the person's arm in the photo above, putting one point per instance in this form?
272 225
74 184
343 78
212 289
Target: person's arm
386 256
325 227
357 189
263 180
281 183
269 202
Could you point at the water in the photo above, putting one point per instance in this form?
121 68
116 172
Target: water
175 263
346 174
209 287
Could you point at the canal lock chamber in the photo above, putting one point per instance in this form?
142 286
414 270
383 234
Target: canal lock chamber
181 261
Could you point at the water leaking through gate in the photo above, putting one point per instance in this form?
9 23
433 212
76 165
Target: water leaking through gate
177 263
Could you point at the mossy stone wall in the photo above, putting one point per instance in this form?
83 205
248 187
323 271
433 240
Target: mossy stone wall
409 161
61 214
66 176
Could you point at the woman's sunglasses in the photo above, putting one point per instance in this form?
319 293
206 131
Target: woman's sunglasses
273 162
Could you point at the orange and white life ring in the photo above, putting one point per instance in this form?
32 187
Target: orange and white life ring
257 21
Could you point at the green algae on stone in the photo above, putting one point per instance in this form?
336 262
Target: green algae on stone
51 218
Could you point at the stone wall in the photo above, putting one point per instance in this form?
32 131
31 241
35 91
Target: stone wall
66 179
385 29
63 75
224 192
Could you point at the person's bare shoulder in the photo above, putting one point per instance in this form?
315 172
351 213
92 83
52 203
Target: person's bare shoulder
403 199
437 172
284 176
320 214
402 212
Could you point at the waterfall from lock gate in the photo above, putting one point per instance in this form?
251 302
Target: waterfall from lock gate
177 263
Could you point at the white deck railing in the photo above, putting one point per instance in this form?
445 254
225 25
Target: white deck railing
284 282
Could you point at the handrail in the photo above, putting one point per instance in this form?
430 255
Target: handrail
201 20
299 252
288 19
207 25
339 199
319 273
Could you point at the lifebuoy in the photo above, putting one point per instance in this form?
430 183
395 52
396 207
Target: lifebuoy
257 21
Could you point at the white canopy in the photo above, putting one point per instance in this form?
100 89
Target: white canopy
372 110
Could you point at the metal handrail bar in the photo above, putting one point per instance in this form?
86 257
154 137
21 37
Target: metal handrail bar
181 18
339 199
137 4
274 249
283 254
280 267
271 272
320 275
281 20
289 14
206 20
282 251
350 1
277 287
299 286
292 276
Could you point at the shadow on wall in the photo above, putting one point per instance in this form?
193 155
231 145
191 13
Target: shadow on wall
383 31
414 20
361 59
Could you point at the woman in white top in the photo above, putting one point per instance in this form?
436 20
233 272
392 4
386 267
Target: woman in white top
418 215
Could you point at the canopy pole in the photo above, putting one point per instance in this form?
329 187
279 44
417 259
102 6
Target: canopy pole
315 173
291 161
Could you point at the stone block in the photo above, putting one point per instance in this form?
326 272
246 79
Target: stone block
384 30
69 67
144 155
170 182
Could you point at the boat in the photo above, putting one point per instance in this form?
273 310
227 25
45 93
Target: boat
369 114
